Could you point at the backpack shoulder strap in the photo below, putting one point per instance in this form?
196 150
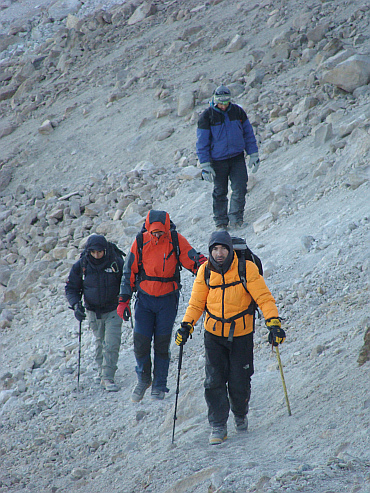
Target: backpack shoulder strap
242 269
207 275
139 243
175 243
83 264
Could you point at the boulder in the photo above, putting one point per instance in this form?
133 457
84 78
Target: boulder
145 10
236 44
263 222
350 74
185 103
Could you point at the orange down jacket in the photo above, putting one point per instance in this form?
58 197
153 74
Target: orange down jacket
228 302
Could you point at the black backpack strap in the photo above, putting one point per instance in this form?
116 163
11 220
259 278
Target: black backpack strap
242 269
139 243
231 320
207 275
83 267
175 244
141 276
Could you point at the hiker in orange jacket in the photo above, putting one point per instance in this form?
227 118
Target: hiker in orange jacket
152 268
228 336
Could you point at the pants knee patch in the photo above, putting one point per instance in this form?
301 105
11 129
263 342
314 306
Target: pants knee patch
162 346
141 345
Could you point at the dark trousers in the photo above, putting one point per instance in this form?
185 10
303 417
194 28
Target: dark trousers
229 367
154 318
235 169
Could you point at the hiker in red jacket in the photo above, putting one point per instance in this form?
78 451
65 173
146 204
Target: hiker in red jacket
152 268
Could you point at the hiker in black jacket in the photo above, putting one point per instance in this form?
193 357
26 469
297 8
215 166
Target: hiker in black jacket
97 276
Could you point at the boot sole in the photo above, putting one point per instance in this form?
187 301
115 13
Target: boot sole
217 441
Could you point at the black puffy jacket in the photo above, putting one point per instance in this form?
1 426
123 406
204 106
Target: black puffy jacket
98 282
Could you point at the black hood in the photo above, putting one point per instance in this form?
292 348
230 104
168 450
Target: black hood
100 244
221 238
96 242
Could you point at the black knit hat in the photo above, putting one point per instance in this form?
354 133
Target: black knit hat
221 238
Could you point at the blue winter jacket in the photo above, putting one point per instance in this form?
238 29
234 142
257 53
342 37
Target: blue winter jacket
224 134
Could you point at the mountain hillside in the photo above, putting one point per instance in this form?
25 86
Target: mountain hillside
99 106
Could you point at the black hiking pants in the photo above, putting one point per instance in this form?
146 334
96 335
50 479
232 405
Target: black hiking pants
229 367
234 169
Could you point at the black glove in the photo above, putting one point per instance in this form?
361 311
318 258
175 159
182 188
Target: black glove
79 310
276 336
183 333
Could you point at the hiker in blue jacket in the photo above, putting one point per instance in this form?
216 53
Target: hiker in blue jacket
97 277
223 134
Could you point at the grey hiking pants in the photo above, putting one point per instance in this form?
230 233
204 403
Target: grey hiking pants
107 331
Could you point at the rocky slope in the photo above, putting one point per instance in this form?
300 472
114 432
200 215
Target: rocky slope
99 108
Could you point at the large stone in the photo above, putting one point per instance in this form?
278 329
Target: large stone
206 90
263 222
190 173
350 74
6 40
185 103
164 134
317 33
323 134
46 128
62 8
6 129
145 10
5 273
255 77
236 44
7 92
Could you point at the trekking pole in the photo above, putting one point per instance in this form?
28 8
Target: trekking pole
132 323
79 357
177 392
283 380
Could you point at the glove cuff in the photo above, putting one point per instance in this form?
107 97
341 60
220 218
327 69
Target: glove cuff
273 322
205 165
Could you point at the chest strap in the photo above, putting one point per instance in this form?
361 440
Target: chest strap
231 320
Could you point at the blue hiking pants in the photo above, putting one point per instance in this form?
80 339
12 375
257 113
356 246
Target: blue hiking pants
154 319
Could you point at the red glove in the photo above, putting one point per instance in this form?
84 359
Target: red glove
202 259
123 309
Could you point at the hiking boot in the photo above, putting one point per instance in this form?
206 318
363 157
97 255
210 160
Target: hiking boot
97 379
241 423
157 395
218 435
139 391
109 385
236 225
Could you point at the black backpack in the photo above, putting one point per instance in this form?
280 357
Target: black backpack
176 251
244 253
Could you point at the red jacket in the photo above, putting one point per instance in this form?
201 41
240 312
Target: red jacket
158 273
